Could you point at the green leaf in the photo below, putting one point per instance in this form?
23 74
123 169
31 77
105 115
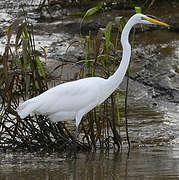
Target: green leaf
123 22
40 67
107 34
138 10
92 11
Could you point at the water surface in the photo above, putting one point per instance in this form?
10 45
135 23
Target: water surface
159 164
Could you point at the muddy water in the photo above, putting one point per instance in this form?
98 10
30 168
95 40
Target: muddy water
153 115
157 164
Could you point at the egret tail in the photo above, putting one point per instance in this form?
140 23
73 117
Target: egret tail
26 108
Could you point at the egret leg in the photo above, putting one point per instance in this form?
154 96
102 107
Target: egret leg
74 143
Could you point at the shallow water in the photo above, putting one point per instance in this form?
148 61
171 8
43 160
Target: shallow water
153 124
160 163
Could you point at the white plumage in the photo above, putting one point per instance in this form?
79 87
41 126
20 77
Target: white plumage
72 100
66 101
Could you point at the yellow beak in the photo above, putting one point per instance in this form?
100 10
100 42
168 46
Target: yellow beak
156 21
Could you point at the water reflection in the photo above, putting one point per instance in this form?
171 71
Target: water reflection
154 164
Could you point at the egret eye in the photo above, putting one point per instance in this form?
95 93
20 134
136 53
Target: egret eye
142 18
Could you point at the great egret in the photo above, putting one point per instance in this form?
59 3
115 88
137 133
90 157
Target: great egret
72 100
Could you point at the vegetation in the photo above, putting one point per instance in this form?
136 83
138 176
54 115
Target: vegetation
23 76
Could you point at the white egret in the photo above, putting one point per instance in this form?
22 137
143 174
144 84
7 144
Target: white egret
72 100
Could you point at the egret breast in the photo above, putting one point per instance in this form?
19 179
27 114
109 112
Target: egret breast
62 116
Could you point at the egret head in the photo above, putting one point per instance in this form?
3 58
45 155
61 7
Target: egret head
143 19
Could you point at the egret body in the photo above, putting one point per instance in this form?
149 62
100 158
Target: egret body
72 100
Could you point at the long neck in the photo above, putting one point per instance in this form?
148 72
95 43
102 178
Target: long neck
118 76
